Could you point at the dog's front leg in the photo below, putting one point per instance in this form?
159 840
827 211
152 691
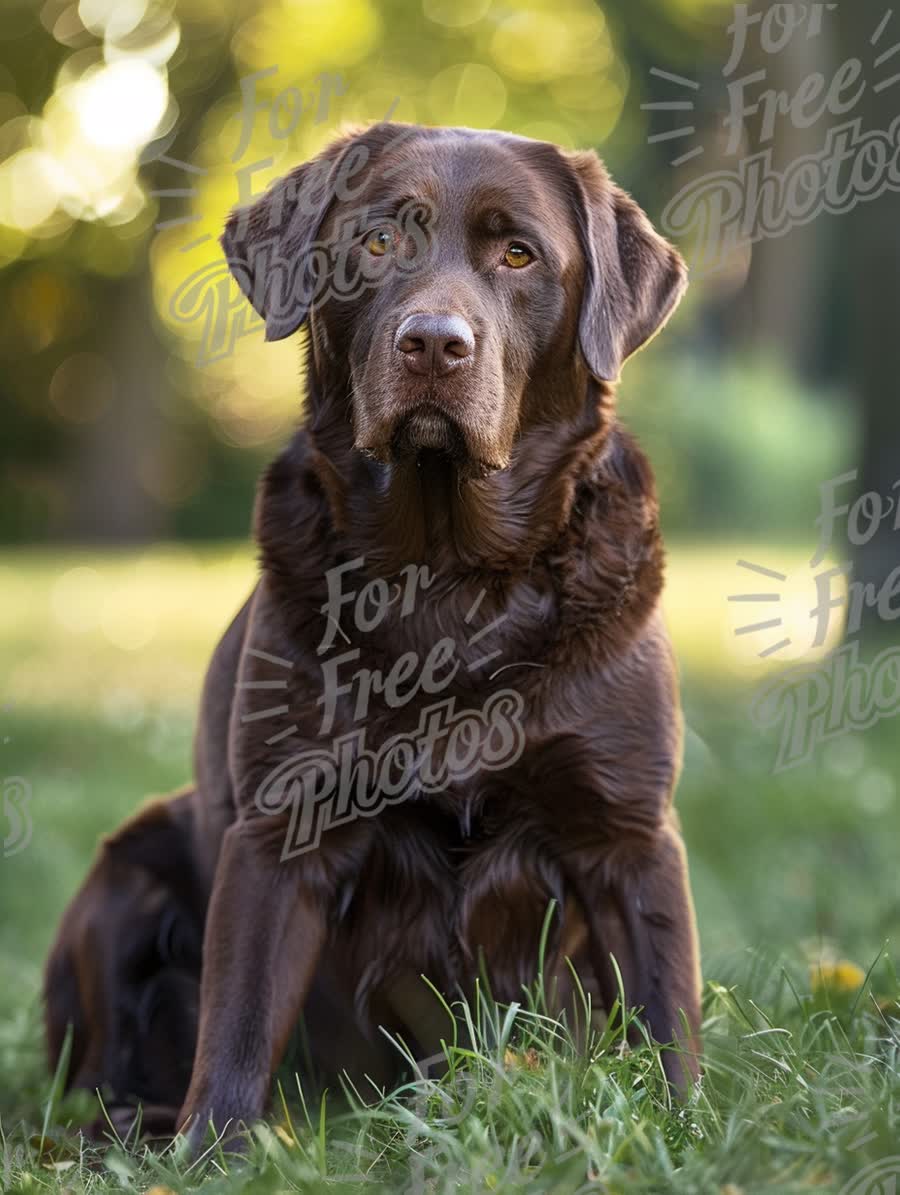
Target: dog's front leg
639 910
264 933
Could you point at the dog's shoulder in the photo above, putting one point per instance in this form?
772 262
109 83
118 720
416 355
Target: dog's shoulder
293 519
611 565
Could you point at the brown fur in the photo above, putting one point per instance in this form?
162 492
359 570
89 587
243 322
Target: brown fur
532 497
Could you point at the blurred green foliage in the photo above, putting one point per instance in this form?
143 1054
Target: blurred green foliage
129 129
738 446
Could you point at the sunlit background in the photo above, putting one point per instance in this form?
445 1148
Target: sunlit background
129 451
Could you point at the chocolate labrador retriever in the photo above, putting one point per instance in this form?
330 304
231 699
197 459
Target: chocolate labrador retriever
450 699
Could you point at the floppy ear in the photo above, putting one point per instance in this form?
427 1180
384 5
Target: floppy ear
271 244
634 278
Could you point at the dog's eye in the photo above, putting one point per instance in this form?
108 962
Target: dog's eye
379 241
517 256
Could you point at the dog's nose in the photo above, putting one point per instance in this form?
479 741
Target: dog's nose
433 343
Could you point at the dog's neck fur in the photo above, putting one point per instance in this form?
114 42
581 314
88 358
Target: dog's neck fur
423 510
575 514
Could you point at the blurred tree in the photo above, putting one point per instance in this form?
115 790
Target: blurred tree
872 258
87 403
116 430
125 451
787 272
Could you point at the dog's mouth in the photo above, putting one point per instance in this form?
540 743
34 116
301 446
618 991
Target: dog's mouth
428 428
428 431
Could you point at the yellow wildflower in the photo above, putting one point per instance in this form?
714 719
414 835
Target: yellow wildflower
839 976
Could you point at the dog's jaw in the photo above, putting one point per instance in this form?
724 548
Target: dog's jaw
429 432
429 427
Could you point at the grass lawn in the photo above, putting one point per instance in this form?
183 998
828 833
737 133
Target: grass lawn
795 879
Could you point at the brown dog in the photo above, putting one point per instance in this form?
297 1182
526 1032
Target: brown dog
450 698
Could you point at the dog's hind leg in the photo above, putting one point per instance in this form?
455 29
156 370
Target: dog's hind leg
124 971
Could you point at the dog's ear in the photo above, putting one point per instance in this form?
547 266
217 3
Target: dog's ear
271 244
634 278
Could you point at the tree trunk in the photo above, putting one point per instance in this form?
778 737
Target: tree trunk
872 232
108 499
786 277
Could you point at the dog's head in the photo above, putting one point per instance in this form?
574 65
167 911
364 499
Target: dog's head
467 281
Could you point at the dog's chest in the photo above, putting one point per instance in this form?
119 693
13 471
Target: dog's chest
460 637
436 694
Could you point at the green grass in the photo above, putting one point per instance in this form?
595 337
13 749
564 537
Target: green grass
799 1094
101 659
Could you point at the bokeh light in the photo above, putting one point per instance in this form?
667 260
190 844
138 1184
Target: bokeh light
79 159
469 94
119 106
82 387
